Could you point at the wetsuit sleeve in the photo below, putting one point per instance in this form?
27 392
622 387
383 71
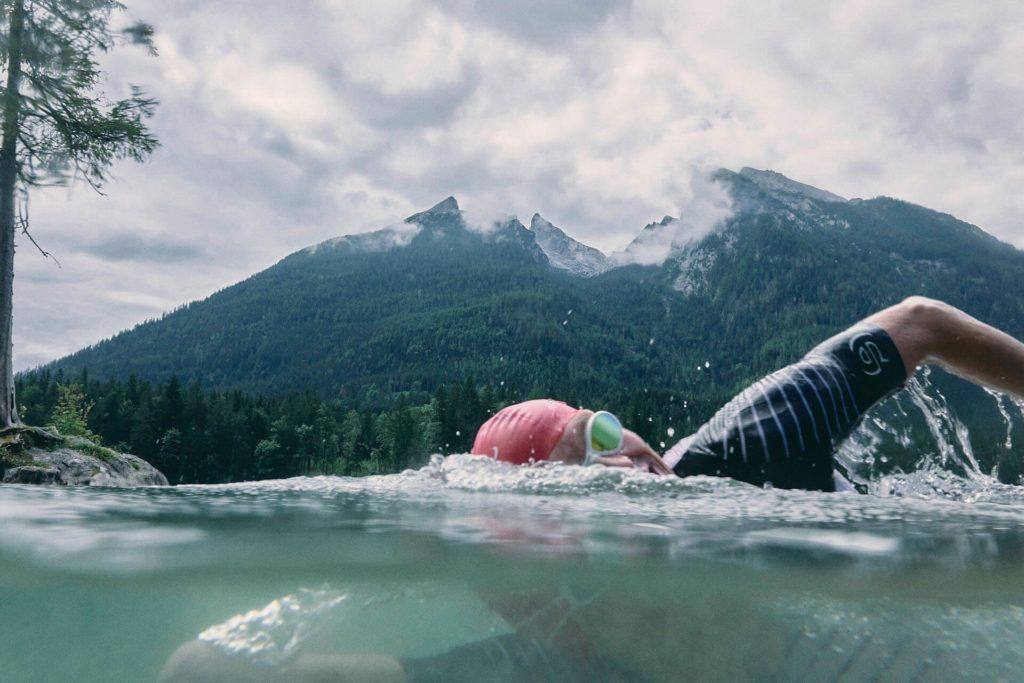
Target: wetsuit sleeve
509 658
783 429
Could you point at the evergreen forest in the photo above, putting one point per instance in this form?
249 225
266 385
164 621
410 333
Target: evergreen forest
195 435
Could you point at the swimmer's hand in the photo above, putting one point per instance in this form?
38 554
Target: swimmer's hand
636 453
199 662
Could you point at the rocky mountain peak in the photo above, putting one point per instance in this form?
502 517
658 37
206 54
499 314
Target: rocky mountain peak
539 224
442 211
565 253
448 205
773 182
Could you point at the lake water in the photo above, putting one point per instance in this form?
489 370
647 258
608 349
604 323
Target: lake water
606 574
667 579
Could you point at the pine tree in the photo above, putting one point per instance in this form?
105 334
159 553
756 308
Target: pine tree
57 124
70 417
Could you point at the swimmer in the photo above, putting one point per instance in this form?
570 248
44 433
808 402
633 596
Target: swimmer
782 430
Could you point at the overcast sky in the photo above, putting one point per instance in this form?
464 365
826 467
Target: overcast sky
287 123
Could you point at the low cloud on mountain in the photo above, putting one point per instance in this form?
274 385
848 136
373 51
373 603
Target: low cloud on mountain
706 209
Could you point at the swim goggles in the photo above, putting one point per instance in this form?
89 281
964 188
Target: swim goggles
604 436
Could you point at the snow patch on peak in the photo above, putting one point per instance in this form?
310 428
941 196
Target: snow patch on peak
564 252
773 182
540 224
385 239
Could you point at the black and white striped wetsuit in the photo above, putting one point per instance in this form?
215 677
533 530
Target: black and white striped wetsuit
783 429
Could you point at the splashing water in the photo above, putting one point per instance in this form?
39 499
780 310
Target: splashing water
999 398
915 442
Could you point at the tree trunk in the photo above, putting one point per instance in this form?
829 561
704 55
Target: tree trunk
8 179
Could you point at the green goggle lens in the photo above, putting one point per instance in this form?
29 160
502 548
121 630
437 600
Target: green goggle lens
605 433
604 436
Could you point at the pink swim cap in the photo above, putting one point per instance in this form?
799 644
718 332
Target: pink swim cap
525 430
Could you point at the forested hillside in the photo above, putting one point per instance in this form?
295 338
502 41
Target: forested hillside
430 302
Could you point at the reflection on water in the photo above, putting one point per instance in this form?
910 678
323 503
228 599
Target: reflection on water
550 572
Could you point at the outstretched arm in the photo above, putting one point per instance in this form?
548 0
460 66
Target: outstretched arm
199 662
925 330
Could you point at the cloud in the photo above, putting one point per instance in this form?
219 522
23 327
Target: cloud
551 24
132 247
484 222
391 237
706 208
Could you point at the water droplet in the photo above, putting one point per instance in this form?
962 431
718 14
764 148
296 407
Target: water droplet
458 433
661 444
651 343
670 431
707 364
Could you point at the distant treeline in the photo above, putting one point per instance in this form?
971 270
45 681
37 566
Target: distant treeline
198 436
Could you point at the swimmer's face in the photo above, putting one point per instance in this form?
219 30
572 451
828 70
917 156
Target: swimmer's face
635 453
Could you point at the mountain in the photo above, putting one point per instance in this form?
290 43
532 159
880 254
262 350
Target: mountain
408 307
566 253
694 307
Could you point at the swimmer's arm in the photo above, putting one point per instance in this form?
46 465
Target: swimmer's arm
925 330
199 662
675 454
353 668
635 453
506 657
637 449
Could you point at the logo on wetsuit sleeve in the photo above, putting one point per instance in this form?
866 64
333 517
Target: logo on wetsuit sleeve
869 353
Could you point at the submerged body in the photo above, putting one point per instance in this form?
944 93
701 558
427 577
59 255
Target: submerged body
658 575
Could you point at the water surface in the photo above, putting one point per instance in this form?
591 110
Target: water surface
661 578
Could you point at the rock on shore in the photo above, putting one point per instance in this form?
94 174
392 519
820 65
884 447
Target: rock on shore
74 461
